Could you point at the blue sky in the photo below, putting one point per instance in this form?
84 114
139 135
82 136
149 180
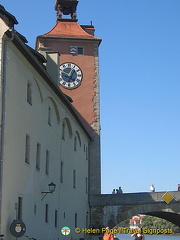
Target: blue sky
139 82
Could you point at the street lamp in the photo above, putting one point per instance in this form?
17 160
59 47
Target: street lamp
52 188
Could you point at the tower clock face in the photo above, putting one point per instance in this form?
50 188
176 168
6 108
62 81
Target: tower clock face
70 75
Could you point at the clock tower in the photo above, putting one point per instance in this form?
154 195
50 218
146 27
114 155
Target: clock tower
78 75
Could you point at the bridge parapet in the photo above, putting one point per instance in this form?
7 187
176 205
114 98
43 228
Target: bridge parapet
111 209
130 198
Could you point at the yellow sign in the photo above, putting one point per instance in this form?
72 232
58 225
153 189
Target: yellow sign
167 197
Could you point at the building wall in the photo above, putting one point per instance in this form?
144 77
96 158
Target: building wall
21 179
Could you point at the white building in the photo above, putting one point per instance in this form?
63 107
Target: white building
42 141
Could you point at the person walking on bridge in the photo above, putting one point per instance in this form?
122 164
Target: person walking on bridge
152 188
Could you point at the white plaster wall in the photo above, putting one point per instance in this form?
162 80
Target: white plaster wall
24 180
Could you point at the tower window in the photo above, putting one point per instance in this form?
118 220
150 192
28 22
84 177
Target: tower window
76 50
80 50
29 93
27 149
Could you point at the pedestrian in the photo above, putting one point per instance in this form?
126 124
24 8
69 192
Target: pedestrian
108 235
152 188
138 235
120 190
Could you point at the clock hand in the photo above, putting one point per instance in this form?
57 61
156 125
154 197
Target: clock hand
72 72
65 72
69 74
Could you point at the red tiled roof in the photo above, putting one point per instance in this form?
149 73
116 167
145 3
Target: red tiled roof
68 29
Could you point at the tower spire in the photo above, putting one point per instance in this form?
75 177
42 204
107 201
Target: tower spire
66 7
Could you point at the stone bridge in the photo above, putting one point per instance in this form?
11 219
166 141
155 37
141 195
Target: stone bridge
111 209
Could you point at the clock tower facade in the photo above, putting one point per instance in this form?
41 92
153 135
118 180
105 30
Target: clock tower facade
78 75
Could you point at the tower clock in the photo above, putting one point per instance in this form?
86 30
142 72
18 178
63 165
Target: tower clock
70 75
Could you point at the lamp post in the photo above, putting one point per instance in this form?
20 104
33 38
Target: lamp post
52 187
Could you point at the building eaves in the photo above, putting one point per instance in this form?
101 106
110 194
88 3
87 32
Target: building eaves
22 37
9 19
41 59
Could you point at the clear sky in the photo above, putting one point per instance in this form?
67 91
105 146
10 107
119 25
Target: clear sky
139 83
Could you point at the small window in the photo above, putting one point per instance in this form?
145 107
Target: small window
55 218
61 172
19 207
75 143
29 93
46 213
47 162
63 131
87 217
75 220
74 178
27 149
35 209
38 153
80 50
87 153
86 185
49 115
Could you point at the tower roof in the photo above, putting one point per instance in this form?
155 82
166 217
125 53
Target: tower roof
69 29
